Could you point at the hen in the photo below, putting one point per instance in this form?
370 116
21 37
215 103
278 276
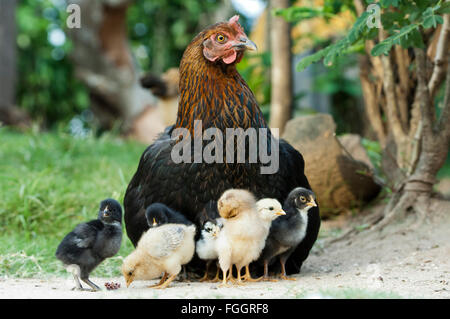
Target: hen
212 91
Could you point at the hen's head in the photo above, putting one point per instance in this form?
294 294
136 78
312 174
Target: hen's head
226 42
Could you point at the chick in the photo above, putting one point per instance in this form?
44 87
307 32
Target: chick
84 248
289 230
206 245
162 249
246 226
158 214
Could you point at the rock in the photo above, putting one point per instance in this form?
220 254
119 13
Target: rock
352 144
339 181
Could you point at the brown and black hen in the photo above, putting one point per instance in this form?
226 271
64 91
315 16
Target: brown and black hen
212 90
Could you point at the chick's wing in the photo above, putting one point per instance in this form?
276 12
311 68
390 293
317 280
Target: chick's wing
166 239
86 233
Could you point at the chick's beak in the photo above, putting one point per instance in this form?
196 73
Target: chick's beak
245 43
154 222
129 280
312 203
280 213
106 212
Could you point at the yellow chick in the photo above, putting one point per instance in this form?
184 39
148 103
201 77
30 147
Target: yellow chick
246 226
162 249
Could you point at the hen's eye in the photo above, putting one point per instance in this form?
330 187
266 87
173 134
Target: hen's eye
220 38
270 208
303 199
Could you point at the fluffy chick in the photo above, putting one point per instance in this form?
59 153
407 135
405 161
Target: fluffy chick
85 247
206 245
162 249
246 226
289 230
159 214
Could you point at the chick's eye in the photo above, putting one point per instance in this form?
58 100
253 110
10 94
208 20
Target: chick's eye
303 199
220 38
130 273
270 208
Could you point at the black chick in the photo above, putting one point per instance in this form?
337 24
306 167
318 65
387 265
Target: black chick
84 248
288 231
158 214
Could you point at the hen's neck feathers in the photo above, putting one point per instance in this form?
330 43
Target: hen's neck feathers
214 93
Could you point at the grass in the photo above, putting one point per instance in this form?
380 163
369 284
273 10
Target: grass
49 182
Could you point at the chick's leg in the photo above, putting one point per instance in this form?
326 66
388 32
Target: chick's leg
164 277
216 278
91 284
248 276
239 278
225 279
205 277
283 270
166 283
78 285
230 275
266 272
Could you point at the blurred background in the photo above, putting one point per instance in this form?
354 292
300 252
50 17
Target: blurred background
79 105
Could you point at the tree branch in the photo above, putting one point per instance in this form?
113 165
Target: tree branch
423 94
439 59
443 127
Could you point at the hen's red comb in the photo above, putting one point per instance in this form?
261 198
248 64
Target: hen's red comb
233 22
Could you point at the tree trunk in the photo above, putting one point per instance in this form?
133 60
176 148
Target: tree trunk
9 113
281 71
399 102
105 64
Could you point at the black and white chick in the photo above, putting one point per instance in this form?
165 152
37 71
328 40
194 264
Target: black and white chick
288 231
90 243
206 245
158 214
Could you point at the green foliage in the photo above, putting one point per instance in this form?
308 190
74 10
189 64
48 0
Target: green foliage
160 30
255 69
402 19
51 182
47 87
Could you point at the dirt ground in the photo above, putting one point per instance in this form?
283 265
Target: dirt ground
396 263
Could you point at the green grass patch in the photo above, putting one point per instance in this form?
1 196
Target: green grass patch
50 182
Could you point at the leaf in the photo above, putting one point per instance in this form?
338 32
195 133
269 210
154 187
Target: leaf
432 21
387 3
382 48
444 8
307 61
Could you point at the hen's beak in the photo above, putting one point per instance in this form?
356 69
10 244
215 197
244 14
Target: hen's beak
280 213
245 44
154 222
